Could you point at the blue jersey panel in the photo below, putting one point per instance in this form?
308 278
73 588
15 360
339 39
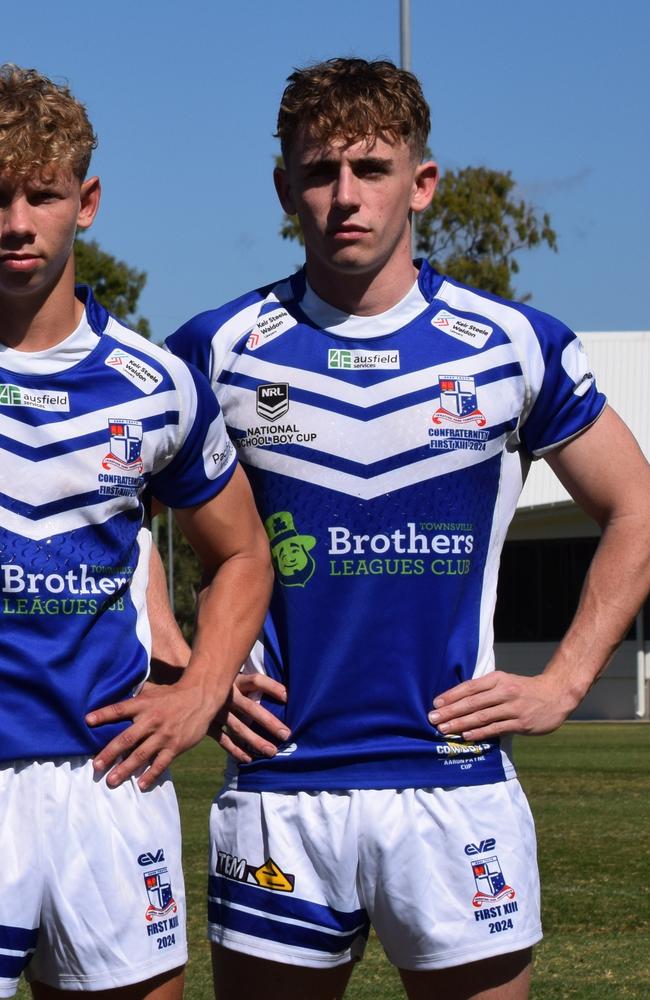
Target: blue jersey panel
79 444
386 468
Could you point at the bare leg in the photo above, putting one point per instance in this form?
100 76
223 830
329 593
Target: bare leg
167 986
237 976
504 977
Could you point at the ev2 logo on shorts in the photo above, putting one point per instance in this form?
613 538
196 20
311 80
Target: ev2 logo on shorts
481 847
151 857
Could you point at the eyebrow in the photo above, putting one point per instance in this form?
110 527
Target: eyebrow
364 161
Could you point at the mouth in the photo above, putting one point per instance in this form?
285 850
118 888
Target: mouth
348 232
18 261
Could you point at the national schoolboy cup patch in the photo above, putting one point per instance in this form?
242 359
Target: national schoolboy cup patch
272 400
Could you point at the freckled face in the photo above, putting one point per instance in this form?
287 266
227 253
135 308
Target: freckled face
38 220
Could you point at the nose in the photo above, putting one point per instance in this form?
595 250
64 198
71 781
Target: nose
346 191
15 218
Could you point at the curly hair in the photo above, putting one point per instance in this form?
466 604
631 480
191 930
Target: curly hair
353 100
41 125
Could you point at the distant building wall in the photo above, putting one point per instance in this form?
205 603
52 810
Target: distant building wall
612 697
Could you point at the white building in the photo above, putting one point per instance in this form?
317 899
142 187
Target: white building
551 541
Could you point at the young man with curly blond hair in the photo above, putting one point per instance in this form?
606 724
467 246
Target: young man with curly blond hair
389 415
91 415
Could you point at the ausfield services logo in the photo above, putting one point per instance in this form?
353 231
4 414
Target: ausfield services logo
38 399
362 360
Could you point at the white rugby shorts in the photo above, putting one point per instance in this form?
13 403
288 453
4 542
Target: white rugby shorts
91 886
446 876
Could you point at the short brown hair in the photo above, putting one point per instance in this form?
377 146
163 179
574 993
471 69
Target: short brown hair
41 125
353 99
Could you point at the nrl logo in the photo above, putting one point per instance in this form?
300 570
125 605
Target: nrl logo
272 400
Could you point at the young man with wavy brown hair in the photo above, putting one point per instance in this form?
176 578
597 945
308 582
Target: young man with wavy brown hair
388 415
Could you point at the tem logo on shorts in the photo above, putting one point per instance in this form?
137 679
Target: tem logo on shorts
268 875
159 891
491 885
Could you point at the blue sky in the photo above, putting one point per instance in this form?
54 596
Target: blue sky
184 97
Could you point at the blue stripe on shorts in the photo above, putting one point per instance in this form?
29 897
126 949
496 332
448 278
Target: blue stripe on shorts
17 938
20 939
279 917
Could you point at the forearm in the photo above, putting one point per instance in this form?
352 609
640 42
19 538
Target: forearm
230 612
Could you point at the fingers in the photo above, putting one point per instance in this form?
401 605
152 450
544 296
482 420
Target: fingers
237 736
239 739
167 721
240 754
244 707
262 684
484 707
496 704
112 713
145 757
463 708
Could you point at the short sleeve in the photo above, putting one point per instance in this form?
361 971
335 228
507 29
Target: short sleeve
566 400
205 459
193 341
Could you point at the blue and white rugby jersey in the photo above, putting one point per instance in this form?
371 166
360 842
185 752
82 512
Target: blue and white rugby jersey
85 427
386 459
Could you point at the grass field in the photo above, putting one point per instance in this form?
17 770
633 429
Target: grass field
589 787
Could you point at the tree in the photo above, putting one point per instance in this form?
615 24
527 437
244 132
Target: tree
116 285
473 229
476 225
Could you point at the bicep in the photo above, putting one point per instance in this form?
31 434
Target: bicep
604 469
225 526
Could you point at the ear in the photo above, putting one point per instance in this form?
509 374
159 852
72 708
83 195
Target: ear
89 195
424 185
283 189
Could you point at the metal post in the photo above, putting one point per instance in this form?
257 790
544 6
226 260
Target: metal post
405 63
405 34
170 557
642 665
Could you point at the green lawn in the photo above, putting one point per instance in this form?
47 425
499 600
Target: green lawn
589 787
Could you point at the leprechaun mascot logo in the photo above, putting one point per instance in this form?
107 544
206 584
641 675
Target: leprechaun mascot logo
290 550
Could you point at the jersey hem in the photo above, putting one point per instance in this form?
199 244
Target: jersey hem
319 783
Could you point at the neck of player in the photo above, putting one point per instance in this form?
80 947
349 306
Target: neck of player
364 292
40 319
